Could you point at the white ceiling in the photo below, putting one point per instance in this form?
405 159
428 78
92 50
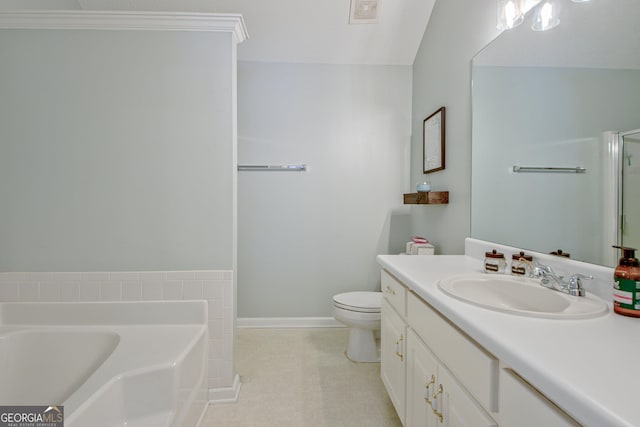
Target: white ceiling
294 30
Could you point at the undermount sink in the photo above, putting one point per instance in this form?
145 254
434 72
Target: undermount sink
521 296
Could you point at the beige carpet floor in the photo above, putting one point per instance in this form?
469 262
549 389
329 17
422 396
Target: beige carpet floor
300 378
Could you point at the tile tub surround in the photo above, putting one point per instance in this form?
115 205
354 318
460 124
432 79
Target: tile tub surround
214 286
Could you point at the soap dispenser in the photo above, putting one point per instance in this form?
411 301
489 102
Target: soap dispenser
626 289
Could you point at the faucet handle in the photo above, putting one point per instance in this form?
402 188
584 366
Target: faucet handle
574 280
540 269
575 284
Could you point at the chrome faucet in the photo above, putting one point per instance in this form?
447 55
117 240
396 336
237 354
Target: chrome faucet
550 280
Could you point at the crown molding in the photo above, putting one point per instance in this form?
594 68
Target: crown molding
103 20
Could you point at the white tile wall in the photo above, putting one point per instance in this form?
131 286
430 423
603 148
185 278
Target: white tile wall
215 286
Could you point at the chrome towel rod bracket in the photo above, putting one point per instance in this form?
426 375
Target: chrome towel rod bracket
577 169
274 168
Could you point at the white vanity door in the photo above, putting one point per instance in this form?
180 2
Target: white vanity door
392 357
458 408
523 406
422 380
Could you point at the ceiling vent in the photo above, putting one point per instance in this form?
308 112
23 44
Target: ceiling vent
364 11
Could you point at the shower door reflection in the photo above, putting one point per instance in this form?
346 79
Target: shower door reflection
630 202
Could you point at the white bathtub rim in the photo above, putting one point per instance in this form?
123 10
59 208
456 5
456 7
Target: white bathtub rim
7 331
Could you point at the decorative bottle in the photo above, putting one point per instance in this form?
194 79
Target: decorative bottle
626 289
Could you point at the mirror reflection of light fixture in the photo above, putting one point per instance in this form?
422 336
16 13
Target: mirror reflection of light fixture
510 14
546 16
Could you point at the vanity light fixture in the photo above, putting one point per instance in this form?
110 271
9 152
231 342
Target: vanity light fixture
510 13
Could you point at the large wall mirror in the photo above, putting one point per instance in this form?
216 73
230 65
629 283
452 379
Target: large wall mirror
550 99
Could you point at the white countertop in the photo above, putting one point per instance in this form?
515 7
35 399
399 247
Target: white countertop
586 366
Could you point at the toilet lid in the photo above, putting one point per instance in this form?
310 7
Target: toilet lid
366 302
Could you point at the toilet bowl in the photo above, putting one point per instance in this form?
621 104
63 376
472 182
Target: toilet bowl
360 311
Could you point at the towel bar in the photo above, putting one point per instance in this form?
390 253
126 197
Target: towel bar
577 169
285 168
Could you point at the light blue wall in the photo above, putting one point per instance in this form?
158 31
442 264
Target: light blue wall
116 150
306 236
457 30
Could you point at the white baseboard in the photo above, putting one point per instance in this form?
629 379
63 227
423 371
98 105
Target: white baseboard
226 394
287 322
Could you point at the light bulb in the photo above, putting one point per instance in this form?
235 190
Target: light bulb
509 14
546 17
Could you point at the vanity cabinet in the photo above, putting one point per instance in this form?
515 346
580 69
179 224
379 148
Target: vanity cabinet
435 396
436 375
393 332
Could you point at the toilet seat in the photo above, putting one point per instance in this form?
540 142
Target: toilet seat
361 302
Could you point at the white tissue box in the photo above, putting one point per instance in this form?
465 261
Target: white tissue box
427 249
420 248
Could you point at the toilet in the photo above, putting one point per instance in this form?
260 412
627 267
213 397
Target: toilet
360 311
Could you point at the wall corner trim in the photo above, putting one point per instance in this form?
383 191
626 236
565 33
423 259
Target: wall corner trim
125 20
226 394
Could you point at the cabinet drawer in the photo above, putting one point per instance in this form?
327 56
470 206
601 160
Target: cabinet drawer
395 293
521 405
470 363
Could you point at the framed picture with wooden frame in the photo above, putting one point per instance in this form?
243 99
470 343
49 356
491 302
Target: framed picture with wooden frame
433 141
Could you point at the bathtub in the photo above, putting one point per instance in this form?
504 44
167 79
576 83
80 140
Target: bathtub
139 364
